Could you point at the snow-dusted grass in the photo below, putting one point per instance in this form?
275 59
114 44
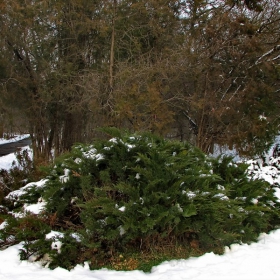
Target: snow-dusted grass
256 261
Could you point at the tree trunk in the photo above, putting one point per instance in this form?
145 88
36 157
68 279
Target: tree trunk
111 66
1 129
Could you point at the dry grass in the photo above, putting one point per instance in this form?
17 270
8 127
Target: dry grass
136 259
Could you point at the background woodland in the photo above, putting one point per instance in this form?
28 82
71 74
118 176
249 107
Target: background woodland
202 71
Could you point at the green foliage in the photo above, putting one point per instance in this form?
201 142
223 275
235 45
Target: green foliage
67 256
139 193
30 229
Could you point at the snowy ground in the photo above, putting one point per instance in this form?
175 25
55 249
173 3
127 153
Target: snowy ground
13 139
258 261
6 161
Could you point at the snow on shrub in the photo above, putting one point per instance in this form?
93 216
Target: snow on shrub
137 192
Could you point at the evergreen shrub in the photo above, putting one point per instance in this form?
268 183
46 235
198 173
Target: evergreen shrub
140 192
